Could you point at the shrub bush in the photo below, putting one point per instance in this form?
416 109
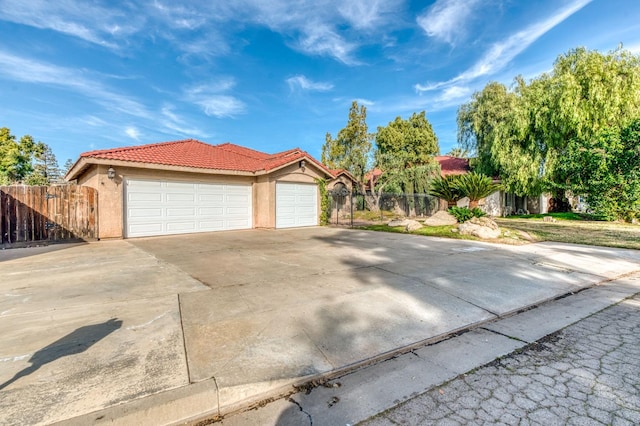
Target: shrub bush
463 214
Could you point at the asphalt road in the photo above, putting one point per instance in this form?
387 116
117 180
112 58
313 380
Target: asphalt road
586 374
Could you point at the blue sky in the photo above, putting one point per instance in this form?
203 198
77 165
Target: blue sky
273 74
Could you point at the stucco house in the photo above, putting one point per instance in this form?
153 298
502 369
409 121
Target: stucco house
500 203
190 186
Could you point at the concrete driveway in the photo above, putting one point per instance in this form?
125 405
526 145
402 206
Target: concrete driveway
218 320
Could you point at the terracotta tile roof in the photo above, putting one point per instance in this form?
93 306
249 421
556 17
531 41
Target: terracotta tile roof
196 154
453 165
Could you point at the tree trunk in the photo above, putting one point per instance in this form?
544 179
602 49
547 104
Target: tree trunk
473 204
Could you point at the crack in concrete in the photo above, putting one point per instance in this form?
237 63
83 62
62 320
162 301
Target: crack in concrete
293 401
504 335
184 340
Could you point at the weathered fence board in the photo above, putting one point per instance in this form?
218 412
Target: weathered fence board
55 213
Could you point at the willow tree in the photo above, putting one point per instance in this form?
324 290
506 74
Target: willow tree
523 134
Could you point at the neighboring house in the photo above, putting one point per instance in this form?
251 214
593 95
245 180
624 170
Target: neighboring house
500 203
453 166
190 186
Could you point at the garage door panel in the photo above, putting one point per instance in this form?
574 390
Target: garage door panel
210 211
179 186
239 223
296 205
237 199
212 225
146 228
144 213
165 207
180 198
173 212
181 226
306 211
238 211
211 198
144 197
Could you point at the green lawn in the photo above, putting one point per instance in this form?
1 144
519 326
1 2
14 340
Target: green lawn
568 228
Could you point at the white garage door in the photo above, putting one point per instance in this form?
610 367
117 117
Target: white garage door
167 207
296 205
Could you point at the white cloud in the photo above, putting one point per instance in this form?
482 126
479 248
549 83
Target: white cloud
365 14
175 124
366 102
322 40
302 82
635 48
213 102
221 106
332 28
32 71
456 92
502 53
84 20
447 20
132 132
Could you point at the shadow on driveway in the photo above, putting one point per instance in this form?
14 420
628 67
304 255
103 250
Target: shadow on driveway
73 343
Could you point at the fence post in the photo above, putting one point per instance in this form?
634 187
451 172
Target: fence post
351 205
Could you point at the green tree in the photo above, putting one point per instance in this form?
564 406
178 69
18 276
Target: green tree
523 134
493 127
606 169
45 167
67 166
414 138
15 156
404 152
351 149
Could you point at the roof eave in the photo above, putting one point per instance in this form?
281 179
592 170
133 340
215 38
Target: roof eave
310 162
85 162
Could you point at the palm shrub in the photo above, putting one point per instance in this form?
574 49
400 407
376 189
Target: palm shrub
446 187
475 186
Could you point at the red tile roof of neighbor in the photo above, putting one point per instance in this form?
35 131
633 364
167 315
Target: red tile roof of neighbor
453 165
196 154
448 166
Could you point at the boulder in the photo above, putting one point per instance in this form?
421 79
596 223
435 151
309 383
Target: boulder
441 218
399 222
481 227
413 225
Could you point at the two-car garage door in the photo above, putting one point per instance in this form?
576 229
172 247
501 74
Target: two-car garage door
168 207
154 207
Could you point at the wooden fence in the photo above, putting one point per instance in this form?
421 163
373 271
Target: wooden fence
54 213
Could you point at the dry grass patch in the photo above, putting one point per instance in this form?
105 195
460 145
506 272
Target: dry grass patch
595 233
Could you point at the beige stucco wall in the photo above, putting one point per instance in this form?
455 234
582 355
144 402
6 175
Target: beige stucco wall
111 192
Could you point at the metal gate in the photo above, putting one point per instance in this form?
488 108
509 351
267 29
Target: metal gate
341 205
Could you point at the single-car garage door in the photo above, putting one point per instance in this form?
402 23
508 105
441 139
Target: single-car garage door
296 205
167 207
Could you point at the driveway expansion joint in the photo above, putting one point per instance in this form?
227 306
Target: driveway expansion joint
504 335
